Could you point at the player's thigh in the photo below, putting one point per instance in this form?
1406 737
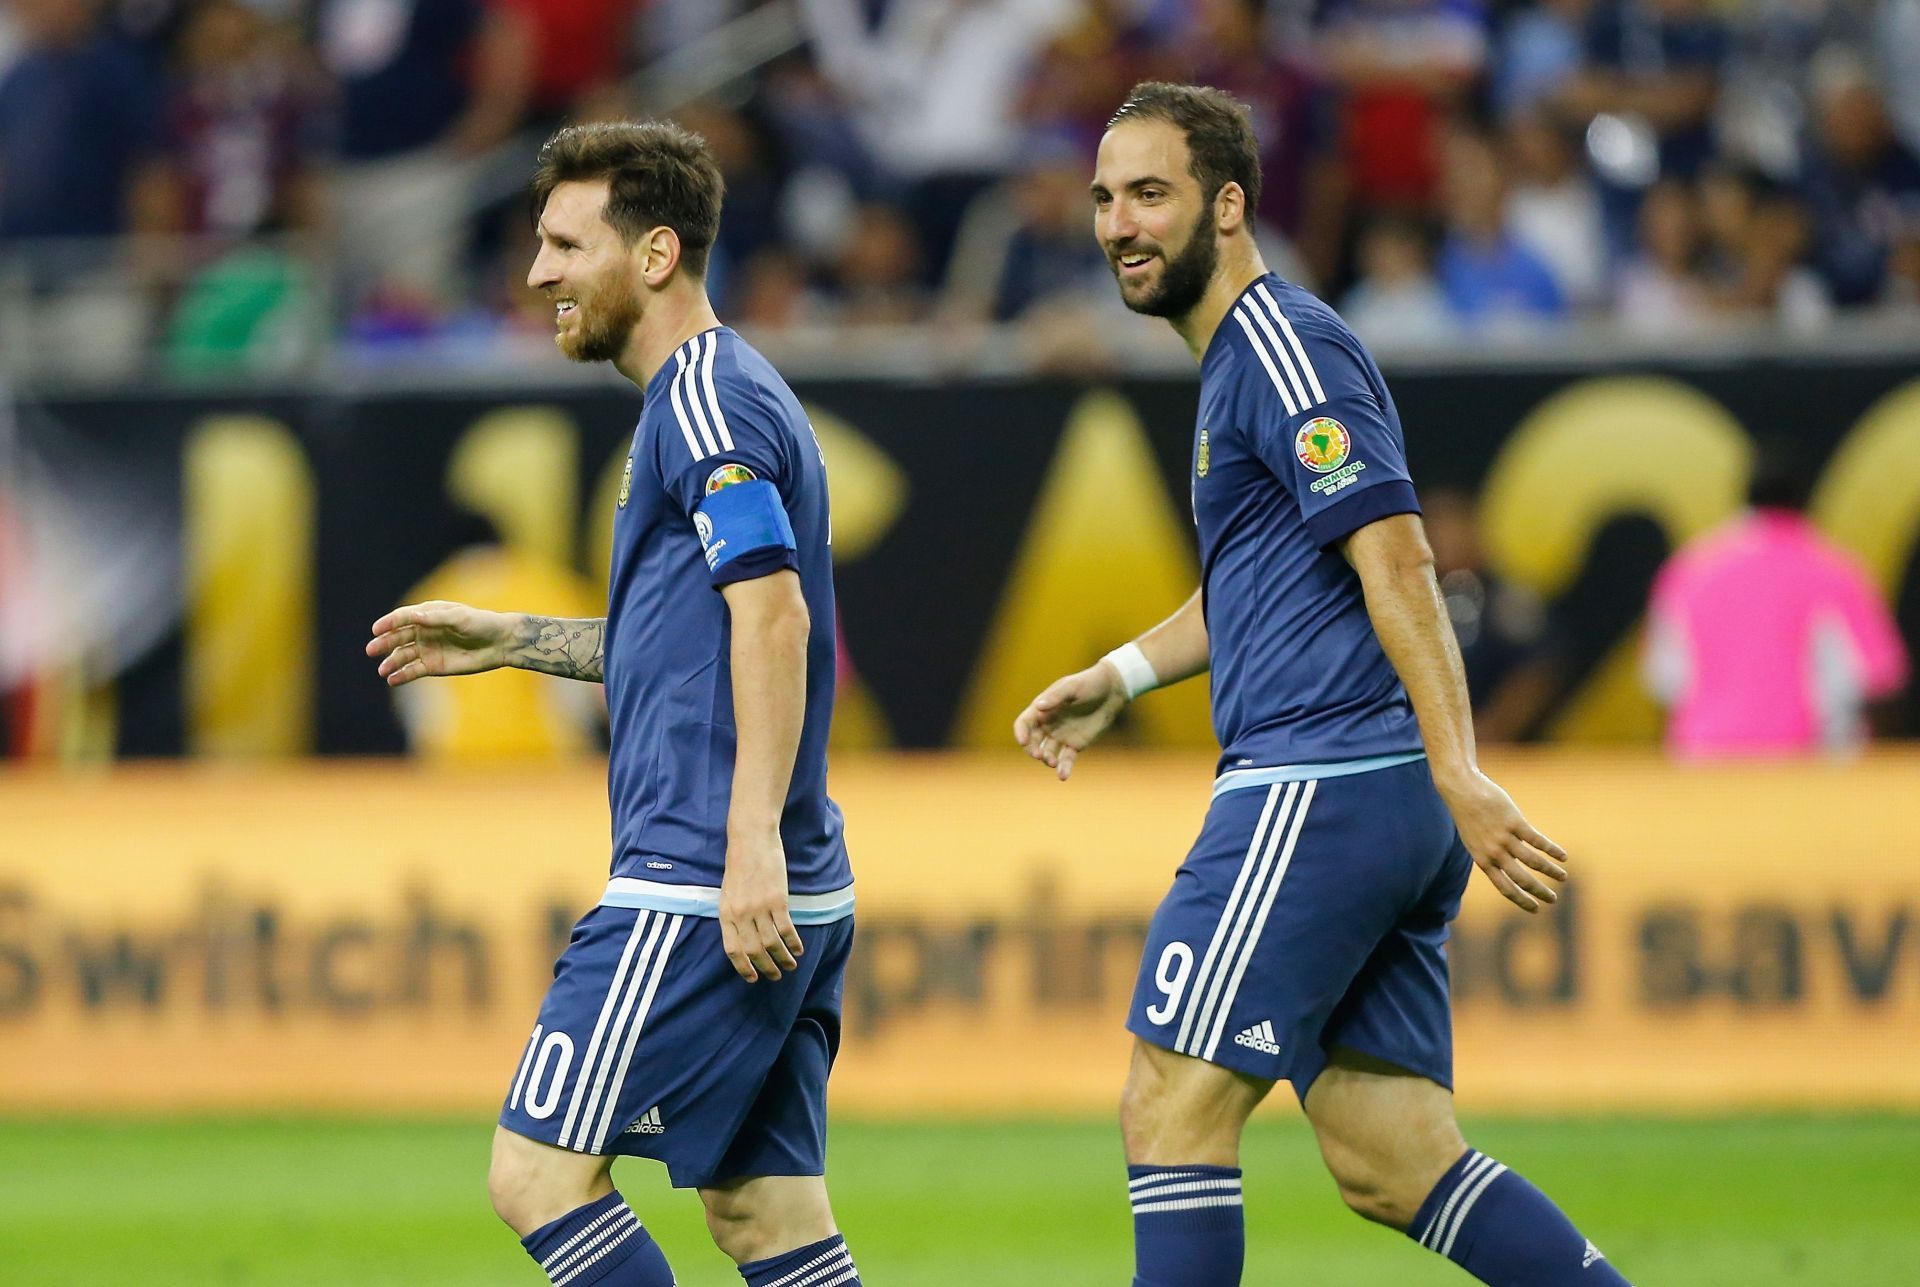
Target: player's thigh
755 1217
1387 1133
1178 1110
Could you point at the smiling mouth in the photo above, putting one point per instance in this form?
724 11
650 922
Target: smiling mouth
1133 261
565 308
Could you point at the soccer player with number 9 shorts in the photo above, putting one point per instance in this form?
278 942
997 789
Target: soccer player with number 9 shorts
1304 937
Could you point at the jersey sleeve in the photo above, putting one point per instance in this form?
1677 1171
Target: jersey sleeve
725 461
1322 424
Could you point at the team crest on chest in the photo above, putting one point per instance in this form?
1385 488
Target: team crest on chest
626 485
1323 444
1200 465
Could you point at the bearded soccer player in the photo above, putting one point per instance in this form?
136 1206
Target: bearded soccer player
696 1010
1304 936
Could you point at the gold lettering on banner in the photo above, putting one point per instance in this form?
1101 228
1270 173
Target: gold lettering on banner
249 538
1869 495
517 466
1105 556
1599 449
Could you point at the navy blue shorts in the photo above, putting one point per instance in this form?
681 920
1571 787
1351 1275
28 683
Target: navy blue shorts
1310 915
649 1045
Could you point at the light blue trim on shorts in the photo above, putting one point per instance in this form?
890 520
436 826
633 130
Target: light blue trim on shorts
704 900
1240 779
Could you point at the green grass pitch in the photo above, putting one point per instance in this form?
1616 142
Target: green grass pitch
1740 1202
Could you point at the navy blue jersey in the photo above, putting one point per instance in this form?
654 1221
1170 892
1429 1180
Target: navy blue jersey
724 483
1297 446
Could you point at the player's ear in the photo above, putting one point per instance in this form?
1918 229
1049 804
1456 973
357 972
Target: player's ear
659 252
1230 207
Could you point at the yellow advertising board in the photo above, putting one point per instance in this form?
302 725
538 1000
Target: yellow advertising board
376 936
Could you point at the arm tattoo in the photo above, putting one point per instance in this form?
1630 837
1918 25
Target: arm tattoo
570 648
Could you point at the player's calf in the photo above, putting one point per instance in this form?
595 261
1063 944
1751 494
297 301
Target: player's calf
1181 1120
570 1218
1386 1134
1495 1225
778 1229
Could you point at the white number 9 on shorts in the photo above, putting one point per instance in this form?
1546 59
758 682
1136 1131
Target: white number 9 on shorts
1176 962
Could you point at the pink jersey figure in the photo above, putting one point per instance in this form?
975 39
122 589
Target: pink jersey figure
1763 637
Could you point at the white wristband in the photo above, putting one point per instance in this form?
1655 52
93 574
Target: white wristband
1136 672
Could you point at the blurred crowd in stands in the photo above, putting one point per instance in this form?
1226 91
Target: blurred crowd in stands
1445 171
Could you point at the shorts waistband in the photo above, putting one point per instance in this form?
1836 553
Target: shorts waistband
704 900
1239 779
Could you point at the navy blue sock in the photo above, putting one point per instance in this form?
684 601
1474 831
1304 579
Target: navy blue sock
1189 1229
1503 1231
826 1263
601 1243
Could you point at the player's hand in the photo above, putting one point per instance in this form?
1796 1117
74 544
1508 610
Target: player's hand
439 638
1066 719
756 929
1516 858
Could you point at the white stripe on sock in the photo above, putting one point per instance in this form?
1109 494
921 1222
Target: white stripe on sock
1460 1220
1159 1177
1479 1163
840 1260
623 1232
1186 1186
1188 1204
598 1226
786 1279
850 1275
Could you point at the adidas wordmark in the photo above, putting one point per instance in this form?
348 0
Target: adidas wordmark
1259 1037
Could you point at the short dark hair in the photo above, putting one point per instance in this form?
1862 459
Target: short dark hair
1221 148
657 174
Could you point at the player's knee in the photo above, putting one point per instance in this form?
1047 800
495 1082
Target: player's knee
529 1189
1143 1112
510 1188
1186 1112
1373 1191
763 1219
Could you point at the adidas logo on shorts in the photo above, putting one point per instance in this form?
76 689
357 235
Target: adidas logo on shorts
1259 1037
1593 1254
649 1123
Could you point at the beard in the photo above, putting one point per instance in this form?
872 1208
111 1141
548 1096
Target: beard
1185 277
604 322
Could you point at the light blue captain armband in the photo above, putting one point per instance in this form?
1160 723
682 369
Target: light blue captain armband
742 520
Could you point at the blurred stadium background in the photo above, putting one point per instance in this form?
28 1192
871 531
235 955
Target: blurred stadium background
270 940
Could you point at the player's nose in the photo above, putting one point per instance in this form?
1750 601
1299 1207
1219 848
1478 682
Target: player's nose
541 275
